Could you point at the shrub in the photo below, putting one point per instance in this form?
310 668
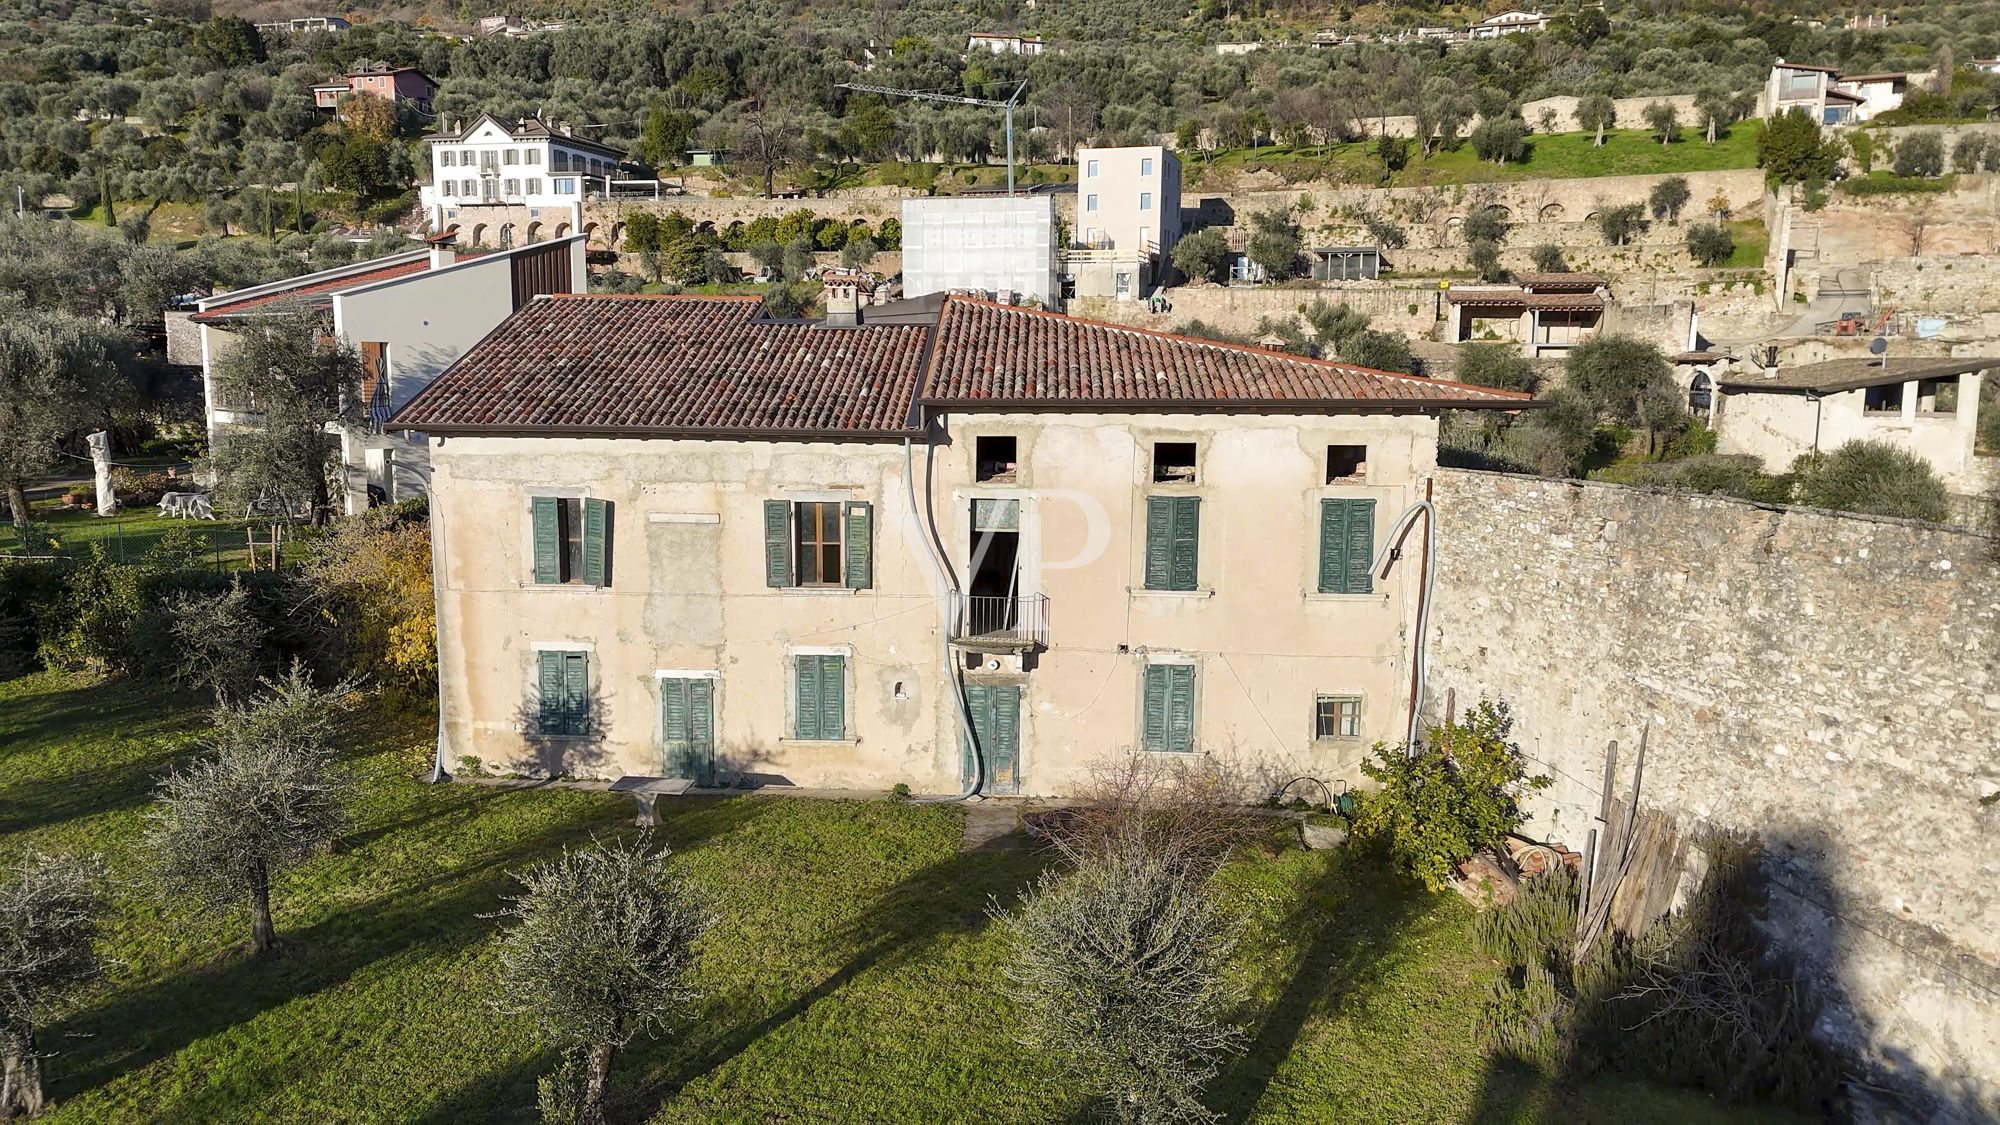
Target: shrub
1970 152
369 579
1668 197
1710 244
1387 232
1874 478
1709 474
1792 149
1619 224
1274 243
1203 255
1379 351
217 639
1501 139
1484 255
1484 224
49 910
1500 366
1549 259
1920 154
1456 792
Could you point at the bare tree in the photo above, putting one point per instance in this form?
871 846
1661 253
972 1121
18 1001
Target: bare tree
1917 225
269 798
49 907
217 638
767 140
1071 112
599 949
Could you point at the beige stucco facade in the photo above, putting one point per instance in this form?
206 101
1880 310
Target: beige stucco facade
1777 428
686 596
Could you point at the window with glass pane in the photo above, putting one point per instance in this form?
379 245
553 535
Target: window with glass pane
1337 716
819 539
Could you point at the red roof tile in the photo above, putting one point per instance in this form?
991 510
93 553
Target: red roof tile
1564 301
996 355
310 294
680 365
710 366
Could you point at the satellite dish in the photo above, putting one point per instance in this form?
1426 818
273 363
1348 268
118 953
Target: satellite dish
1878 346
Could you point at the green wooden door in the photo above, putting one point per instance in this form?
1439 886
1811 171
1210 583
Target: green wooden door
687 728
996 727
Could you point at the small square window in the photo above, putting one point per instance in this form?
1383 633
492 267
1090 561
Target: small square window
1173 462
994 455
1336 716
1090 203
1090 168
1346 462
1885 399
1145 166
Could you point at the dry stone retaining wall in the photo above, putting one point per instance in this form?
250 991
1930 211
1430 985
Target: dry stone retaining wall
1830 682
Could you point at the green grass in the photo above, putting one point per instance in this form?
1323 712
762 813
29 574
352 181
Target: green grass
1625 152
1752 242
855 975
128 535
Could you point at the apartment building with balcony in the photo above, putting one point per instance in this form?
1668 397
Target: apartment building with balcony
1128 218
979 550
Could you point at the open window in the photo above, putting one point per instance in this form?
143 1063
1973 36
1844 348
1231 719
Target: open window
1346 462
1938 396
819 543
1885 399
1173 462
994 458
572 540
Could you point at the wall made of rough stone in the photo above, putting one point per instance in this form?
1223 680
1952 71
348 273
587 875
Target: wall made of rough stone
1238 309
1829 682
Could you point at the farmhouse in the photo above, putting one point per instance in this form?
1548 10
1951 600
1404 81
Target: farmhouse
975 549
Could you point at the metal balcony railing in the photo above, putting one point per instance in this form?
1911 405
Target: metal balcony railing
1001 623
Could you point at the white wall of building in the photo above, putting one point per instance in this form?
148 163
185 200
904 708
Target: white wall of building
490 165
1777 428
1004 243
1128 199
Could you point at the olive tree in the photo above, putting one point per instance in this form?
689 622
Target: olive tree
1665 121
217 639
1203 255
269 798
1596 112
1619 224
1627 380
1668 197
58 374
1119 967
600 946
299 381
49 909
1710 244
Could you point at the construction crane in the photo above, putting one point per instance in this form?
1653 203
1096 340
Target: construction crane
928 96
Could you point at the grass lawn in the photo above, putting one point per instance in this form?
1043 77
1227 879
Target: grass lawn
855 976
1626 152
128 535
1752 242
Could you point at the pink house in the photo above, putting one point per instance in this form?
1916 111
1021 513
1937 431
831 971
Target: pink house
390 83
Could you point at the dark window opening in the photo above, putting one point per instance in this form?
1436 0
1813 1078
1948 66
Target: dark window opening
819 542
994 575
1344 462
1173 462
1938 396
994 458
1885 399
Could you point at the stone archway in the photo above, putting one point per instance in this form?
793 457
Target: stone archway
1551 213
562 230
1501 213
534 233
589 233
506 236
479 234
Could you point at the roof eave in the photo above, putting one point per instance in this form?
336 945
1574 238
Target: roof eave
654 433
1223 406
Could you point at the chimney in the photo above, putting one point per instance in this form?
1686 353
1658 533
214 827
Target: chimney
843 306
442 255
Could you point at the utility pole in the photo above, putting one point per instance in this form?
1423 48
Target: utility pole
927 96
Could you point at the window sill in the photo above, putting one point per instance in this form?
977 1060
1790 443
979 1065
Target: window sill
572 587
801 591
811 742
1197 592
1318 596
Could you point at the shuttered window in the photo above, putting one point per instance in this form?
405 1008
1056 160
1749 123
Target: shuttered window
819 543
821 705
1346 546
1166 722
572 540
687 727
564 693
1173 542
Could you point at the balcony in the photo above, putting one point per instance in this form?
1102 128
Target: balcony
986 623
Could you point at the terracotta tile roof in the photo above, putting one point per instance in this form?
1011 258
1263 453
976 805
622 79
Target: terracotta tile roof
308 294
1561 279
690 366
1498 295
1564 301
1848 374
992 355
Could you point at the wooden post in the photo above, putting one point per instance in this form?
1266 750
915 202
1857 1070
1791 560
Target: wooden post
277 534
250 545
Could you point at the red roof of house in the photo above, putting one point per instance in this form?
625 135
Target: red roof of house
683 365
1564 301
714 367
992 355
1562 279
309 294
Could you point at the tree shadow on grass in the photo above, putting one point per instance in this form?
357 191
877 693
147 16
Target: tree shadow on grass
1351 922
79 779
151 1020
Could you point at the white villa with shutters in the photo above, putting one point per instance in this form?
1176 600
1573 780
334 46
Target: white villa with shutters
489 166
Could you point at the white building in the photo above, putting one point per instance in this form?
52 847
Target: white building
1128 218
409 316
996 245
491 164
1507 23
1832 98
998 44
1925 404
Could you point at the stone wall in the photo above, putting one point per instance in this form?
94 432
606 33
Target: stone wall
1237 309
1830 682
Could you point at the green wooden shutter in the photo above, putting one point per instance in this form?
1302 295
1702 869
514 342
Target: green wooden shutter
548 539
1153 707
832 697
1180 709
1360 546
807 718
860 546
551 688
674 726
1332 546
596 541
777 543
701 728
1006 758
576 693
1159 540
978 708
1186 542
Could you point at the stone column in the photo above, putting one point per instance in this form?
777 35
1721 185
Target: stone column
100 459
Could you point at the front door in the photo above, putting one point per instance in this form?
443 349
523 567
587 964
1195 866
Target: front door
687 726
996 727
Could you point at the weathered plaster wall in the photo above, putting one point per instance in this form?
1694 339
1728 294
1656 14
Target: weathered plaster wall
1830 682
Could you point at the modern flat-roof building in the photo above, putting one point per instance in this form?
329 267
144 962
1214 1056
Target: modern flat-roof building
1128 218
